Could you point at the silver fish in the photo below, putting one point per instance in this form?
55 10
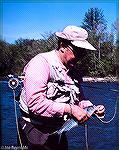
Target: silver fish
71 123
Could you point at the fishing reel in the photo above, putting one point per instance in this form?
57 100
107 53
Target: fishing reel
13 83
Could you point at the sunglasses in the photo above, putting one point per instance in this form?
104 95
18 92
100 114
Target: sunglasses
77 51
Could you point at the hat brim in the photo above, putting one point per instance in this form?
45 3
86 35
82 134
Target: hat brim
83 44
78 43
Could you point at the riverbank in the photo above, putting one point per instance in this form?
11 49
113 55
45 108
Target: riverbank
97 79
85 79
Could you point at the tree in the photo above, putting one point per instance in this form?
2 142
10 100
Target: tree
48 42
116 27
5 58
22 53
13 57
96 25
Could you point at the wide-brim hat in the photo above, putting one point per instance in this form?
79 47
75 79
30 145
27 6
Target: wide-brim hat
77 35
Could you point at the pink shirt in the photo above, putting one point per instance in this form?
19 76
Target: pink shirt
37 74
38 90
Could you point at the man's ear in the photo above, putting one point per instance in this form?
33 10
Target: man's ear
62 48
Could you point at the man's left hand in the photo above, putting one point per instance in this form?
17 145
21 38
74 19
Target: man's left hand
100 110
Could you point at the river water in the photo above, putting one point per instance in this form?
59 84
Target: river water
94 135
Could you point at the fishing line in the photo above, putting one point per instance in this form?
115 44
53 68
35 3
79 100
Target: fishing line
16 118
115 111
86 136
103 121
13 84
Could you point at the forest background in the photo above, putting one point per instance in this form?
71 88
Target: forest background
100 63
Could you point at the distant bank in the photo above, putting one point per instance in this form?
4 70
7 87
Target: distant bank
85 79
97 79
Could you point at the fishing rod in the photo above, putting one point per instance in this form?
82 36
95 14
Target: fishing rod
13 83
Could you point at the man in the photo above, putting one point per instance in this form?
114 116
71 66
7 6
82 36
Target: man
51 91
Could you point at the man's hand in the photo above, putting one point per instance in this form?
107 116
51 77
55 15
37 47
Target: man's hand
79 113
100 110
85 103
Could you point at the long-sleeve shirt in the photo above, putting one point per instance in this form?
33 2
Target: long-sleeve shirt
47 86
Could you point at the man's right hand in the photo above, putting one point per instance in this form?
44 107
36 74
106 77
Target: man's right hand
79 113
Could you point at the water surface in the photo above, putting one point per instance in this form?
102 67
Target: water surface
101 136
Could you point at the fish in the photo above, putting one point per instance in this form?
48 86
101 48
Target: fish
72 122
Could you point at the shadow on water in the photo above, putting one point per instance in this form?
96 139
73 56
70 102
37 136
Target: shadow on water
100 136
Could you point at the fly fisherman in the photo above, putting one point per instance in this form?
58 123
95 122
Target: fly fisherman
51 91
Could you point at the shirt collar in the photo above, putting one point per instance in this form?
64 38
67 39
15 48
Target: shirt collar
59 62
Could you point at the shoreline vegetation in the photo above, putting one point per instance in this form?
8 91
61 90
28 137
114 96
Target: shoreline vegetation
101 65
99 79
85 79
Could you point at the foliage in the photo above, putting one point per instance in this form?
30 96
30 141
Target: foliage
5 58
49 42
102 62
116 54
14 57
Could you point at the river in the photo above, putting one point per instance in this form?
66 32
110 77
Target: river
94 135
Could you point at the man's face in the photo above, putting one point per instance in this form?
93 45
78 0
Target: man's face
72 55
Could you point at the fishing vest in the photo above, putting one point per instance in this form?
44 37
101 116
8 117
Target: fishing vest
61 87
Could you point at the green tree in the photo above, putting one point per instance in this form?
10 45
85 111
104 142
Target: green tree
22 53
116 54
94 22
5 58
49 42
13 57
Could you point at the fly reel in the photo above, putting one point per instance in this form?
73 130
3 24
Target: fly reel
13 83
